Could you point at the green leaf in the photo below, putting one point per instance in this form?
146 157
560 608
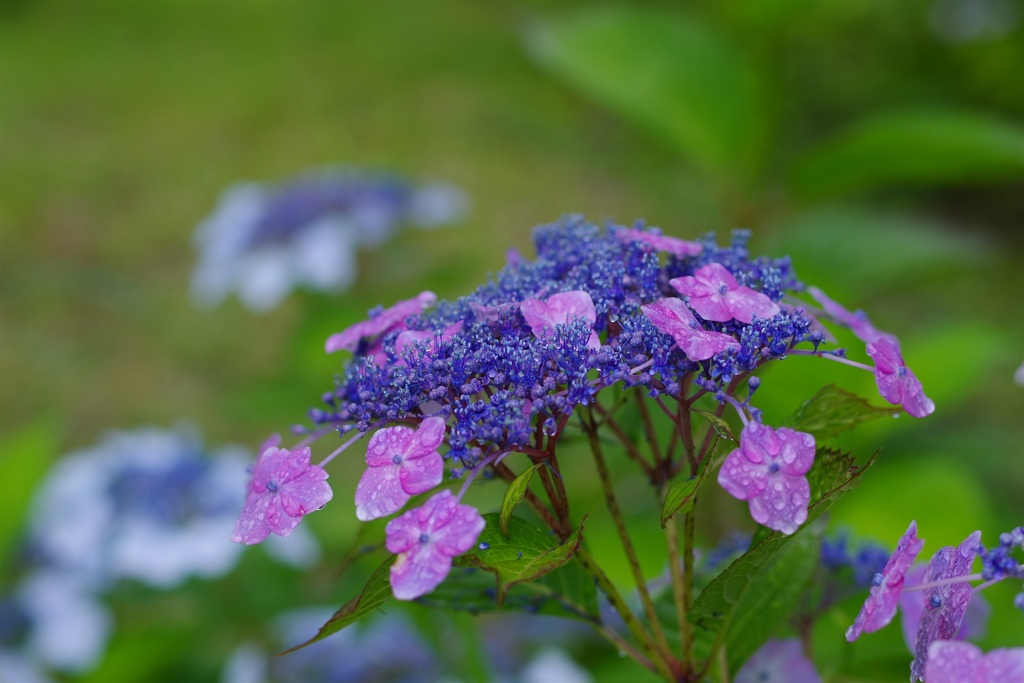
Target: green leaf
681 496
27 456
527 553
923 148
717 604
375 593
667 72
775 593
514 495
832 411
720 426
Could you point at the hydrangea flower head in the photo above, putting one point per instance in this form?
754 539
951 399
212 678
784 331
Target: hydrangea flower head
857 321
778 661
659 242
369 332
896 382
283 489
946 604
402 463
880 607
560 309
768 470
263 240
716 295
673 317
426 539
958 662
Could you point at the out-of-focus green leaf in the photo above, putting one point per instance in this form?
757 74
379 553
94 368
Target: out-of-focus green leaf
514 495
24 459
774 594
375 593
667 72
832 411
717 604
527 553
926 148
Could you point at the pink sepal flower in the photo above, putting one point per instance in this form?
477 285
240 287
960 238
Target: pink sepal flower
958 662
945 605
857 321
896 382
912 605
714 293
560 309
778 661
402 463
415 336
377 326
672 245
768 471
426 539
880 607
674 318
284 487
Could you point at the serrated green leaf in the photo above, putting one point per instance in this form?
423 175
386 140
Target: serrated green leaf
716 605
527 553
667 72
514 495
921 148
375 593
720 426
833 410
681 496
775 593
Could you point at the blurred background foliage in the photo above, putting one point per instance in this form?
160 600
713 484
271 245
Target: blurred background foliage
879 144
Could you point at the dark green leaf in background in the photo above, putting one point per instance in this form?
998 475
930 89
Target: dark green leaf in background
922 149
514 495
681 496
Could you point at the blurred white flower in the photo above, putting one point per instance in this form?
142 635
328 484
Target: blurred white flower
262 241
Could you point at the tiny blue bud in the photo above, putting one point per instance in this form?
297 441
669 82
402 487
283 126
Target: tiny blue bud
935 601
272 486
397 459
424 538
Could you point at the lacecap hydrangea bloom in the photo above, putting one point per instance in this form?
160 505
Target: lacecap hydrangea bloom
264 240
498 374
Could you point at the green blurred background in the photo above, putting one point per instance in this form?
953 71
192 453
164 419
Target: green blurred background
877 143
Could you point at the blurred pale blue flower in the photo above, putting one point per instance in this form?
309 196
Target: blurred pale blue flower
262 241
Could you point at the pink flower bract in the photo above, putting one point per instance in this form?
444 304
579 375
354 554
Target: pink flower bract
945 605
896 382
380 324
880 607
768 471
426 539
958 662
857 321
714 293
778 661
912 606
674 318
560 309
672 245
402 463
284 487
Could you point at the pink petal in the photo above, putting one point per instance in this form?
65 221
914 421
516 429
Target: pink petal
306 493
379 493
387 443
252 527
896 382
671 316
416 574
560 309
418 475
745 304
672 245
880 607
857 322
953 662
783 504
387 320
778 661
742 478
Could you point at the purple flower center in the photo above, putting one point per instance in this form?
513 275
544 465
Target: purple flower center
424 538
397 459
773 468
935 601
272 486
877 579
723 289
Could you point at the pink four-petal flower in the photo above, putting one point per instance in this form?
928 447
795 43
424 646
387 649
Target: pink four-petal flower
284 487
896 382
380 324
672 245
402 463
714 293
560 309
880 607
959 662
674 318
426 539
768 470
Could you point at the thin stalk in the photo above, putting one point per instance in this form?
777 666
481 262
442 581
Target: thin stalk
675 564
627 543
685 630
652 438
631 450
